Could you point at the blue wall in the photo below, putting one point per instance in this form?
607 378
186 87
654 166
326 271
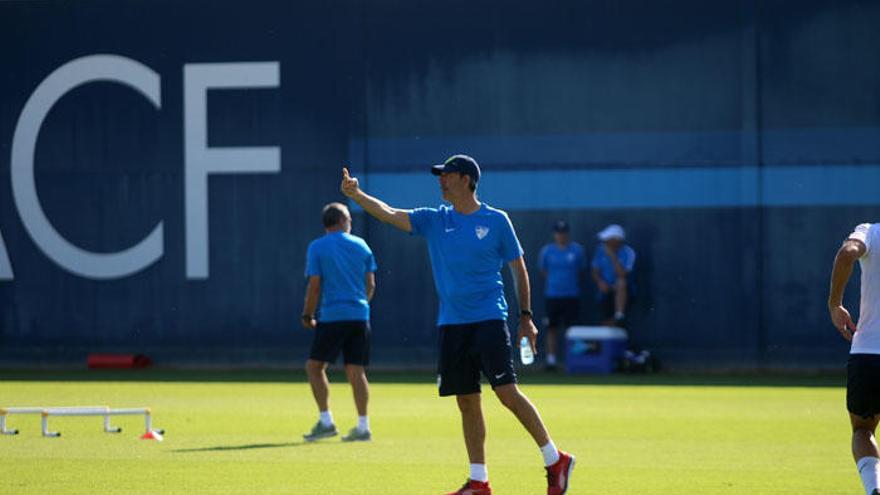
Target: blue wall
737 142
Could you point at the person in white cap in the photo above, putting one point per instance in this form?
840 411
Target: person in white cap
612 267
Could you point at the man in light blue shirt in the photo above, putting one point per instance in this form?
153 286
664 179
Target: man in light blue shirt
467 254
562 264
469 243
341 271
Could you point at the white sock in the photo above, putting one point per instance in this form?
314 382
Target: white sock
551 359
869 470
550 453
326 418
363 423
479 472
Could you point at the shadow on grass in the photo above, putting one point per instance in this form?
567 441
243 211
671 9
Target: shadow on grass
252 446
423 377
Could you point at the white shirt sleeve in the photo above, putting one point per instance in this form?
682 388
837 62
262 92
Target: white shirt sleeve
863 233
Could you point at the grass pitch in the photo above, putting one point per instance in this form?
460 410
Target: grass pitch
240 433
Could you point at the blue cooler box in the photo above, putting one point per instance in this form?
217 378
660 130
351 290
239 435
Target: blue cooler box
594 349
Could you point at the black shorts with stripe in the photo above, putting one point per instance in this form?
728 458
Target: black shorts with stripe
350 337
468 349
863 385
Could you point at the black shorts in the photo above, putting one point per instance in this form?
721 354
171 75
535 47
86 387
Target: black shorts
863 385
351 337
607 303
471 348
562 312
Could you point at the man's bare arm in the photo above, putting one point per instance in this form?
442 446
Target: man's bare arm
523 287
524 292
370 285
313 293
374 206
847 255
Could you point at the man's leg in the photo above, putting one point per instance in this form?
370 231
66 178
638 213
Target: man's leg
558 464
550 341
356 355
459 375
525 412
606 307
569 314
864 450
317 371
473 426
357 377
360 387
325 348
474 429
495 351
552 307
620 299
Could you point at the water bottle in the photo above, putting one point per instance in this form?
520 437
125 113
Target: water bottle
525 351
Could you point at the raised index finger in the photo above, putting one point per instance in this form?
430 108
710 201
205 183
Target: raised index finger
345 173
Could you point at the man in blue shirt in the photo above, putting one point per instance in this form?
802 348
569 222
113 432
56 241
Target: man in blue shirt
562 263
613 265
469 243
341 271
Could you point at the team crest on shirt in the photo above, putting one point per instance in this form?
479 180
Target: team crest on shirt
482 232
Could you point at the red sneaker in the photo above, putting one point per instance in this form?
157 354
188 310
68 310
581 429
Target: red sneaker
472 487
559 474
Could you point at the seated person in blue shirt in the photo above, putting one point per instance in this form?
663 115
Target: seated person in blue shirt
612 269
562 263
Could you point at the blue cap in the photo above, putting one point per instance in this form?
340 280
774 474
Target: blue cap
461 164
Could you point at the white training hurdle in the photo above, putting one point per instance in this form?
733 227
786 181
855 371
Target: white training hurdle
103 411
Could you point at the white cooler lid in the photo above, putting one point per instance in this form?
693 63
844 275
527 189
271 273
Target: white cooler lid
596 333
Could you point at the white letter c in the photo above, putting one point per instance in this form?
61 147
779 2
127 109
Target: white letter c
70 257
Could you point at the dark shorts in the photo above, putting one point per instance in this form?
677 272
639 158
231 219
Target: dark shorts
351 337
606 304
863 385
471 348
562 312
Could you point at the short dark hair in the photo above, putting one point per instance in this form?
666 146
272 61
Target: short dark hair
472 183
333 214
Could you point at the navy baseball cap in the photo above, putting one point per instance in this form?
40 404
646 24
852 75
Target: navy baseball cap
462 164
561 226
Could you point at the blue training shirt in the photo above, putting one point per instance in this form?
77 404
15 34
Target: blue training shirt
467 253
563 268
626 256
342 261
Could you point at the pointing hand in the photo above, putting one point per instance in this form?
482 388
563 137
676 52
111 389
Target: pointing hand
349 186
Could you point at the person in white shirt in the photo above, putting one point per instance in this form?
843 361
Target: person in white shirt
863 367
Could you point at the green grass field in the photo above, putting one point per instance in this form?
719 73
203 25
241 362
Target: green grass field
240 433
